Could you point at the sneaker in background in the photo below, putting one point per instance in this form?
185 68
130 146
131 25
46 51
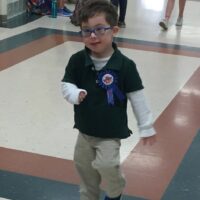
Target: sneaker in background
164 24
179 21
64 12
67 10
122 24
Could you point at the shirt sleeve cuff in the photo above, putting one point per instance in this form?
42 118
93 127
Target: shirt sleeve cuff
71 92
147 132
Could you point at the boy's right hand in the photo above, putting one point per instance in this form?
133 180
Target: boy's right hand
82 96
149 140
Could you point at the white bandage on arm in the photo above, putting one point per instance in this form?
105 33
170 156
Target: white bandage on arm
142 113
71 92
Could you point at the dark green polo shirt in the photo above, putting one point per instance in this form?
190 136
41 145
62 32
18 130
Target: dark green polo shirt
94 116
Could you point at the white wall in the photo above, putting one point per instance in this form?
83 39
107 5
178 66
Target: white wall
12 8
3 7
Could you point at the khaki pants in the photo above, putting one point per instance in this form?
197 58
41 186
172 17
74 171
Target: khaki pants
98 159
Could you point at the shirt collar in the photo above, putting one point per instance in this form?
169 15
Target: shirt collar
114 62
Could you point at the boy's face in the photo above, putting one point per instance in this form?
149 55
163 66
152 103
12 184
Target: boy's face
98 35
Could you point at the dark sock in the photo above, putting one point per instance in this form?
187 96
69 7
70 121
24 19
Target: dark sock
116 198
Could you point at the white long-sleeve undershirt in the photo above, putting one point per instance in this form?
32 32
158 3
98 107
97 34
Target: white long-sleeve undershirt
71 92
142 113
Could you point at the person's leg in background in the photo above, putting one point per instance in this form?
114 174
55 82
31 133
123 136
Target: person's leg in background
115 2
168 12
122 13
179 21
61 3
122 5
169 8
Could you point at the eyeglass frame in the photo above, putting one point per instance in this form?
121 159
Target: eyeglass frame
89 31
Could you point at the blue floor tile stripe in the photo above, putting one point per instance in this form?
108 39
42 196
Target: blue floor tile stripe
185 185
16 186
20 20
38 33
22 187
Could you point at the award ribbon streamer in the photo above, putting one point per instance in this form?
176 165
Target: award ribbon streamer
107 79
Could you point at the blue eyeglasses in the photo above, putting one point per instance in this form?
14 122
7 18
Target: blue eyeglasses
98 31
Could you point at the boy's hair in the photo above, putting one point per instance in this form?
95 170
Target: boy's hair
95 7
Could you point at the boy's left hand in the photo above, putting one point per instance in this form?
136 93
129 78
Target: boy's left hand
149 140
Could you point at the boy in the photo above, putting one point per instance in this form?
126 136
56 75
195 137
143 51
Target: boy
98 81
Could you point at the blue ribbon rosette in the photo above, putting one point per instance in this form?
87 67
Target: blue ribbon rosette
107 80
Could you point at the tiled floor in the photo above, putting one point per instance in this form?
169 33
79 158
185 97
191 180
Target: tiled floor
36 134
